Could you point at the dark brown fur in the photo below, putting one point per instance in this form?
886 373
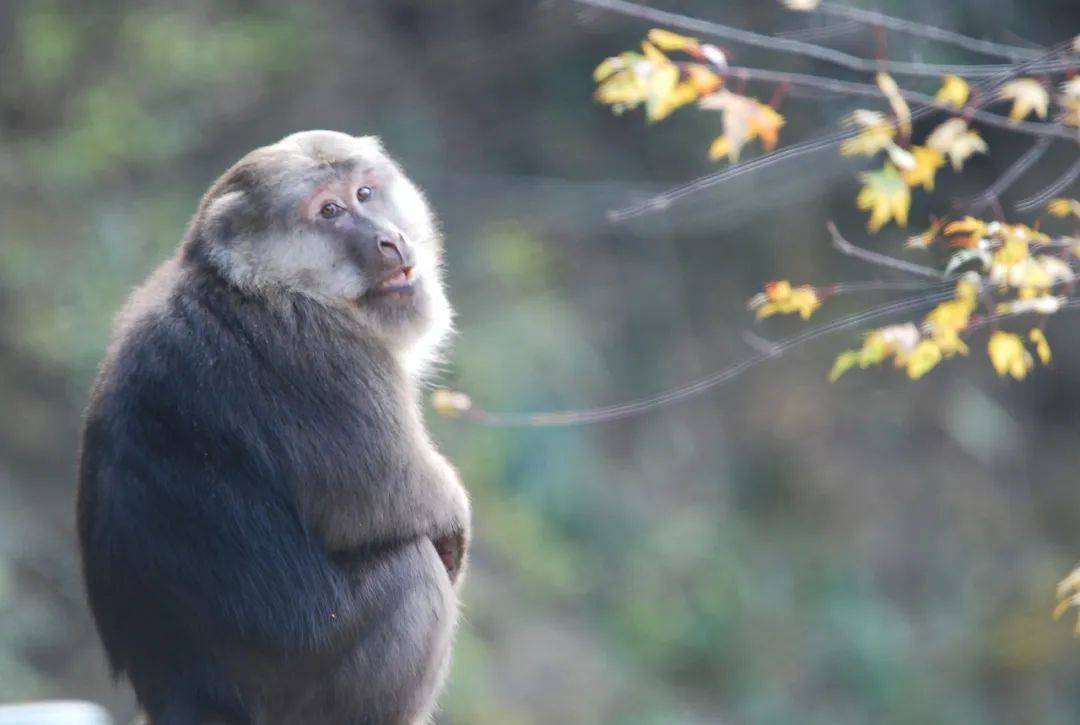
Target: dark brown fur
268 535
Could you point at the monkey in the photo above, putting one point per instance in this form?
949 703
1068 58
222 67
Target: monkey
268 534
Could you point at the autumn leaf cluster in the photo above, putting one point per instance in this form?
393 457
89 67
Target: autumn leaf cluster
663 85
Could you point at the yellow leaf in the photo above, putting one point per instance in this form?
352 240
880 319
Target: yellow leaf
682 94
896 101
781 298
1070 89
869 141
927 237
923 359
702 79
968 224
607 68
653 55
1036 276
744 119
650 77
1071 583
874 350
954 139
1068 594
1042 346
971 229
951 315
623 81
964 147
968 288
1061 607
1070 102
450 403
662 84
669 41
1028 96
885 196
719 148
949 343
1044 305
946 321
876 133
927 162
1064 208
1014 251
765 123
954 91
901 158
1021 233
899 341
1008 355
844 362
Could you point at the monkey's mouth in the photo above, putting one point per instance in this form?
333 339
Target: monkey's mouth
451 550
396 282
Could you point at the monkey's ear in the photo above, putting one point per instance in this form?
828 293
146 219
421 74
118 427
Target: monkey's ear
221 217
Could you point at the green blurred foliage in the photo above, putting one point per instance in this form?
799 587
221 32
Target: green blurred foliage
778 552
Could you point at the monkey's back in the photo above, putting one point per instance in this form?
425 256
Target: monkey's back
217 424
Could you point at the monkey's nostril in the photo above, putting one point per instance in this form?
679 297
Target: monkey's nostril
390 249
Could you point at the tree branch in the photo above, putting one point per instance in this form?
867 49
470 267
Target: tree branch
1062 183
870 90
797 47
828 31
845 247
770 351
930 32
1008 177
986 86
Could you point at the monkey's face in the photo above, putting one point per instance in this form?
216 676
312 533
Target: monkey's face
372 244
332 217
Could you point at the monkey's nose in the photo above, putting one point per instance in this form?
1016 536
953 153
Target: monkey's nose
391 250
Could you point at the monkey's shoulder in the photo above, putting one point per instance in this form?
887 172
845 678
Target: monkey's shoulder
199 372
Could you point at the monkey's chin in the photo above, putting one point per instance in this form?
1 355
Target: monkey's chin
402 311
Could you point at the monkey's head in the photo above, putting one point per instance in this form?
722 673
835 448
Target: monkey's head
331 217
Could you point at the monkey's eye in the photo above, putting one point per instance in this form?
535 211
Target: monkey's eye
329 210
364 193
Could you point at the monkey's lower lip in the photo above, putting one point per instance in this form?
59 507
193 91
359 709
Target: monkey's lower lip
399 281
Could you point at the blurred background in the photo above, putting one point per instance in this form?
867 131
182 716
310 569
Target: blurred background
779 550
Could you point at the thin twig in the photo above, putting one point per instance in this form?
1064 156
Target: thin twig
828 31
872 91
796 47
662 201
764 350
1062 183
634 407
841 288
883 260
1008 177
768 348
930 32
1069 303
